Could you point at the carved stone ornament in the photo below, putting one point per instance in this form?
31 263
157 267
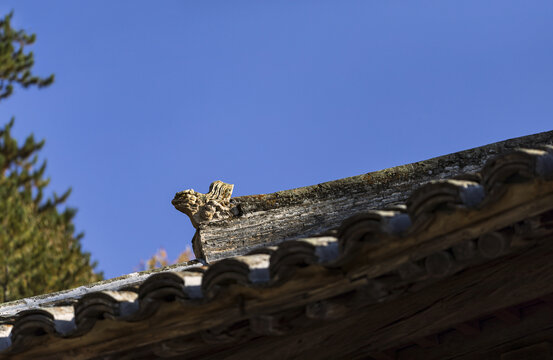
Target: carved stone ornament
214 205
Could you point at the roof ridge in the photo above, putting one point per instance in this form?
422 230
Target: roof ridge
306 211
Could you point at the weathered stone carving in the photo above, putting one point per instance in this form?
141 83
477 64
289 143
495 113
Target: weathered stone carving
200 207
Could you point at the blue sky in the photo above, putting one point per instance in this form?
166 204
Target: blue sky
154 97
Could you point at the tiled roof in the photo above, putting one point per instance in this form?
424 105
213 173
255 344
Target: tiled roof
375 256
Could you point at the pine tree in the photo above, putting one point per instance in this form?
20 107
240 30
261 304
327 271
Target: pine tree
40 251
15 64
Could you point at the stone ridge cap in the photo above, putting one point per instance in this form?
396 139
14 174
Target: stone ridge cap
382 178
9 309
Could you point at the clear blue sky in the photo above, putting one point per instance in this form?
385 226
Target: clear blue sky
154 97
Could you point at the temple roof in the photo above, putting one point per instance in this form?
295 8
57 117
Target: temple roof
302 295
